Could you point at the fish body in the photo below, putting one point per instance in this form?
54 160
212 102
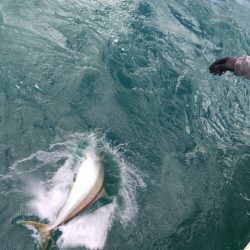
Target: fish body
88 186
247 247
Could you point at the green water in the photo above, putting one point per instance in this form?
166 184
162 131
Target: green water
135 73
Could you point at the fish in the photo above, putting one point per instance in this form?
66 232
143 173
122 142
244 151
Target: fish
87 188
247 247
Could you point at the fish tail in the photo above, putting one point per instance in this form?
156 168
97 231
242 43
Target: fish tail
43 230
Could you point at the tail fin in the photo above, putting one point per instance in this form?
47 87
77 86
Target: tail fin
42 229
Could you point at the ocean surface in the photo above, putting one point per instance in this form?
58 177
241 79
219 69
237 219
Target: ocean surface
129 78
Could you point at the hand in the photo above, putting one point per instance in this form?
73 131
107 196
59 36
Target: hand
222 65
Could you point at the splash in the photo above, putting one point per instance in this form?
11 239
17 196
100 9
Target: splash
89 231
57 168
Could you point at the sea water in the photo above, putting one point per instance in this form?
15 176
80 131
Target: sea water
130 77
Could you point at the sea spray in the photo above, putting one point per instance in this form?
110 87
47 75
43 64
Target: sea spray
58 167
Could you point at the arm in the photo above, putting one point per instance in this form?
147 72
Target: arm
240 66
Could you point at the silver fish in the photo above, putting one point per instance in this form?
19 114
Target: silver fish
87 188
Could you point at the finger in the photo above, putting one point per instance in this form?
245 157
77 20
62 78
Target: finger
213 66
218 69
217 72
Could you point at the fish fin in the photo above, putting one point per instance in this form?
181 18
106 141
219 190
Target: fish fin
103 193
43 230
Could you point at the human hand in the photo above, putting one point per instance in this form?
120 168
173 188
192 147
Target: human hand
222 65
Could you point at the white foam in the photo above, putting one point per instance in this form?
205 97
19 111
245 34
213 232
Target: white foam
90 230
47 203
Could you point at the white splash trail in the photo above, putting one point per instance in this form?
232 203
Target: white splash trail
90 230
